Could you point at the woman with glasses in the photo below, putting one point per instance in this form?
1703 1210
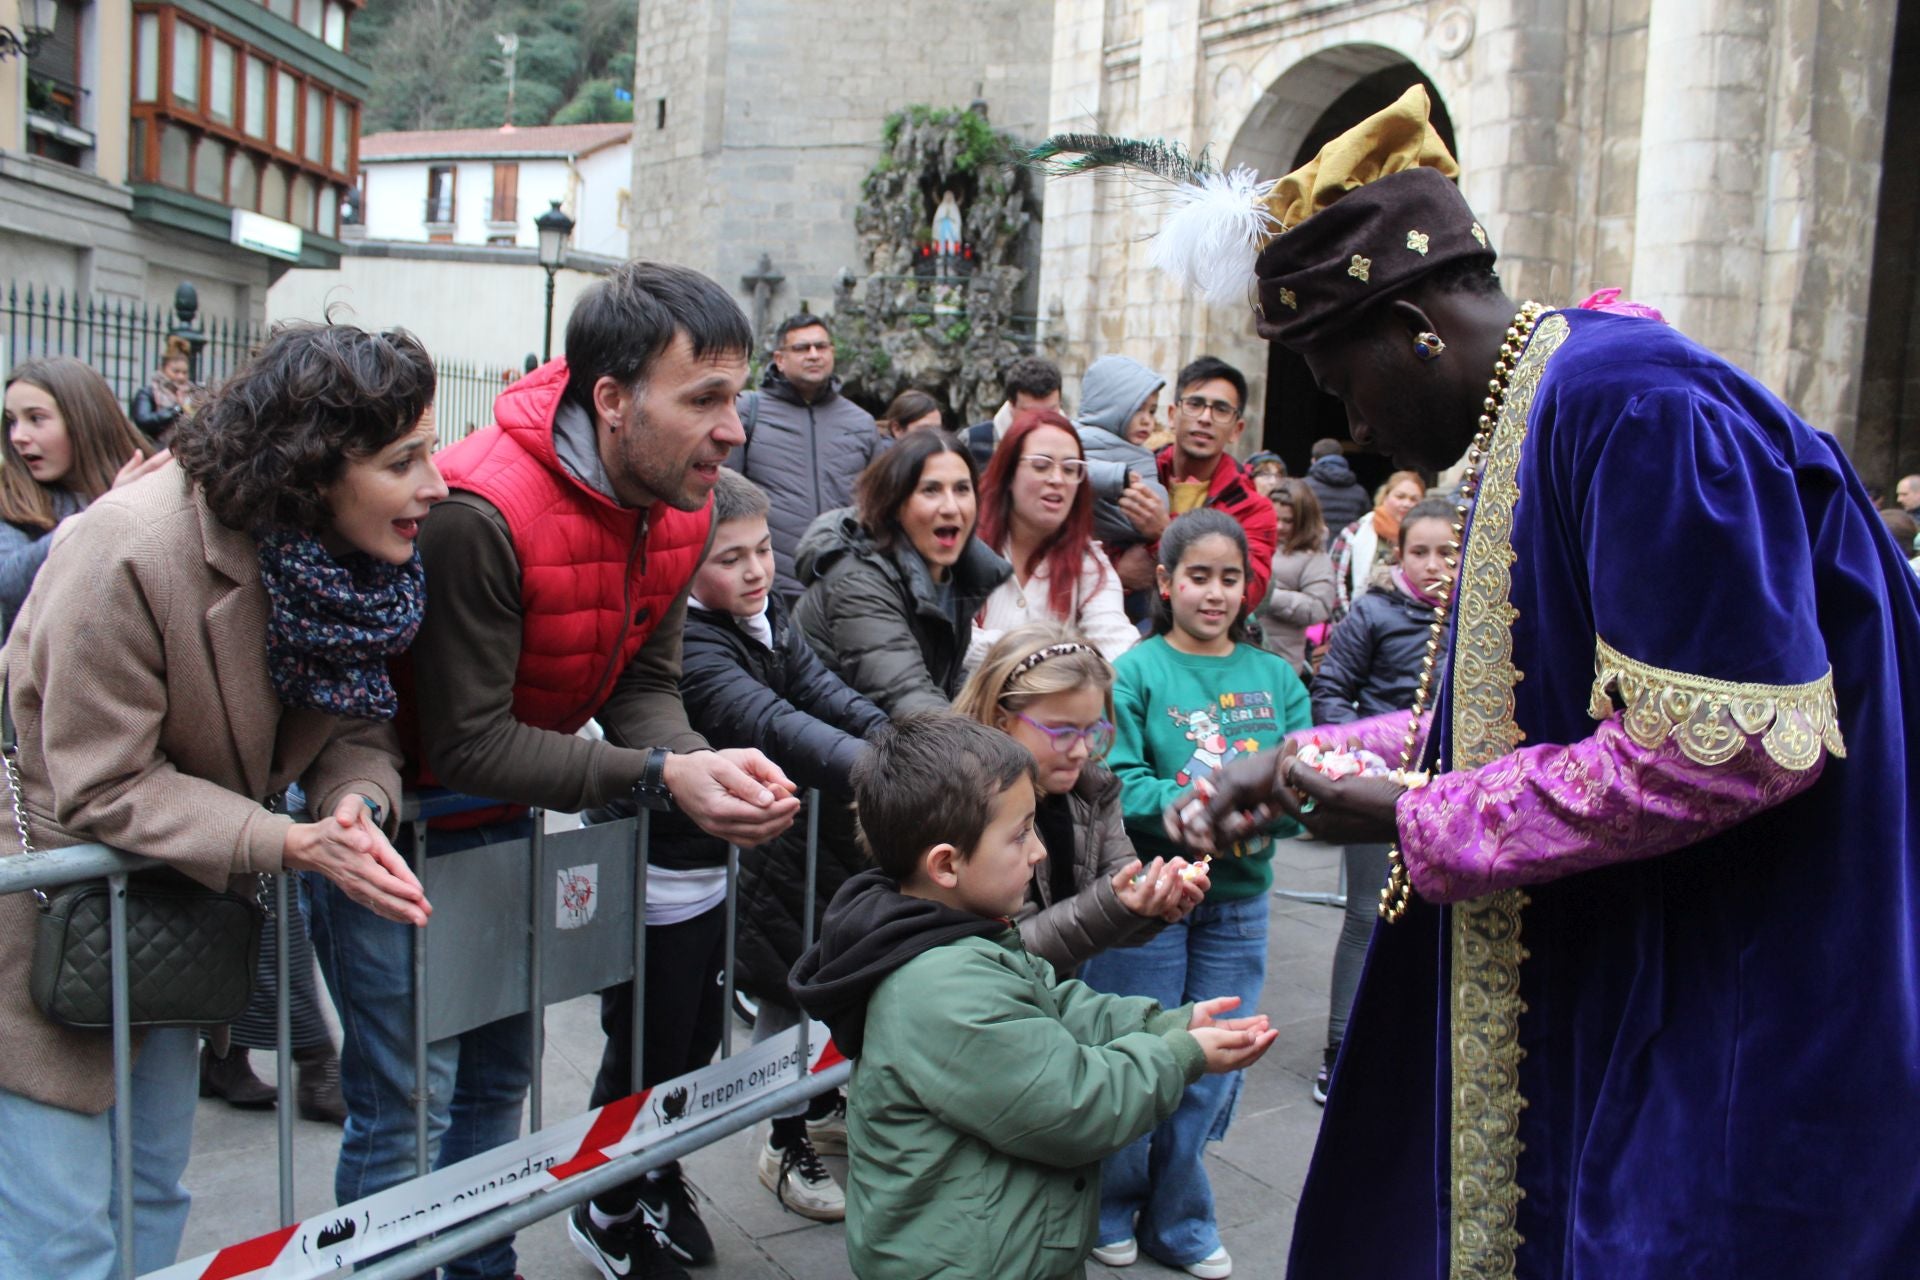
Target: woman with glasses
1049 690
1036 510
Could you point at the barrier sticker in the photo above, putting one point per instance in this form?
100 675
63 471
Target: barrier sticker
576 896
352 1233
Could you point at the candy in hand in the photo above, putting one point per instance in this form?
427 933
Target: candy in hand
1338 763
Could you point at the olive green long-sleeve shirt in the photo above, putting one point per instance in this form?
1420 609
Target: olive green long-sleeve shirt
465 660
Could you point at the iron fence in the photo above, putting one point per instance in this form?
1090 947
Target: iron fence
124 342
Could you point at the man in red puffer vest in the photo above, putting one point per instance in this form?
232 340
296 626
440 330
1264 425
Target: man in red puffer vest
557 575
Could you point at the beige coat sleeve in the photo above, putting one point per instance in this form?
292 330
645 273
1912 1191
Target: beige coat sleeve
98 661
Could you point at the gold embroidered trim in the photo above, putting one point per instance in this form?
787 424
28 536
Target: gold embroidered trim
1711 720
1487 952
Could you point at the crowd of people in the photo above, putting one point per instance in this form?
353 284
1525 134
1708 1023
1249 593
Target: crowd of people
1052 673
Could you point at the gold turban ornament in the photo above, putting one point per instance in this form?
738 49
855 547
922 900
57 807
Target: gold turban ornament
1397 138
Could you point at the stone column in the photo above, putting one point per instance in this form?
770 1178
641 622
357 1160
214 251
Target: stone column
1698 214
1068 248
1516 151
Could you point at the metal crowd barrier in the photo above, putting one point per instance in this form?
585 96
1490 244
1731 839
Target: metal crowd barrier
464 888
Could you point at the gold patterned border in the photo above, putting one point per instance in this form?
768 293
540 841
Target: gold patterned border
1711 720
1487 951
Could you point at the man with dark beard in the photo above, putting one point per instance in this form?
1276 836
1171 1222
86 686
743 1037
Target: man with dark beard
558 573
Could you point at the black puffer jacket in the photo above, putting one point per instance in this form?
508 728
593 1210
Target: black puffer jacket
781 700
1342 497
806 456
1373 662
876 619
787 703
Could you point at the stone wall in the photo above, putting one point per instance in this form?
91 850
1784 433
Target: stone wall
1717 158
774 113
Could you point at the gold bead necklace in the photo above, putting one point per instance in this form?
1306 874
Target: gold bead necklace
1399 888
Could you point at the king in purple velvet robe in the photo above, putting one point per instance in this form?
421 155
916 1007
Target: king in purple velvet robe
1667 1021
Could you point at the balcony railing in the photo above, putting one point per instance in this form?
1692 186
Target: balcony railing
503 211
439 210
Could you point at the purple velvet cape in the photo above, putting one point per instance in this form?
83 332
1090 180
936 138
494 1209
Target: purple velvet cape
1702 1064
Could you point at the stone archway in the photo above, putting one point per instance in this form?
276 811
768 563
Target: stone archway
1312 102
1886 445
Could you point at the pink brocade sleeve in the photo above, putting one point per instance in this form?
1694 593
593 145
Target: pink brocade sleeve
1552 811
1385 736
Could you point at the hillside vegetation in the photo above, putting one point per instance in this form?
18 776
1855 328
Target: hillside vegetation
437 65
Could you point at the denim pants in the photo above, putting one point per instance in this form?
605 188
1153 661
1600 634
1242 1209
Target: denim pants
1219 950
59 1199
476 1081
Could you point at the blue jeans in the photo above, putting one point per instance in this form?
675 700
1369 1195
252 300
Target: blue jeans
476 1081
59 1198
1161 1180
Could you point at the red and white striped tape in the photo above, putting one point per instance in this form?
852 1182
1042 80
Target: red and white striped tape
402 1214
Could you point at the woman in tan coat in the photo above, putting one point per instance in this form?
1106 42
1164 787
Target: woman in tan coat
194 643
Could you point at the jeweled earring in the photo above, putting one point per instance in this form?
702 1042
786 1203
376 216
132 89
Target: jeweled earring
1428 346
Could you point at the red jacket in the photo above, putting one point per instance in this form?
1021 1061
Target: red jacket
1232 491
595 578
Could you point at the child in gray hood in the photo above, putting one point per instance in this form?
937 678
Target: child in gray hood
1113 390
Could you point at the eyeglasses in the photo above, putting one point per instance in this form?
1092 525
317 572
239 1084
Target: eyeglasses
807 348
1098 736
1200 406
1072 470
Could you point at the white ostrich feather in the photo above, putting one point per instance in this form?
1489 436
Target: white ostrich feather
1211 237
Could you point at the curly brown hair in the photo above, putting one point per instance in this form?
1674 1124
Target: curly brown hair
315 396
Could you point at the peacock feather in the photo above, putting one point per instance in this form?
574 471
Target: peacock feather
1076 153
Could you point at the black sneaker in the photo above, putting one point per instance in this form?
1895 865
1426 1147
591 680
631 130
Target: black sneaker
1323 1079
631 1251
666 1199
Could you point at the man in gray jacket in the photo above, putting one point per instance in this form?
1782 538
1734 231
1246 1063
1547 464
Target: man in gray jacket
806 443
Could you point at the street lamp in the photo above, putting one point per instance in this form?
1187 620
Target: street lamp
36 24
554 228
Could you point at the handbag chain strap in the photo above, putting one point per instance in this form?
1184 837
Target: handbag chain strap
9 749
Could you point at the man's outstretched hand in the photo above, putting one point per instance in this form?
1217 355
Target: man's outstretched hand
737 795
1254 791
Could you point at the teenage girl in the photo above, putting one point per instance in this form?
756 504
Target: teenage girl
1186 702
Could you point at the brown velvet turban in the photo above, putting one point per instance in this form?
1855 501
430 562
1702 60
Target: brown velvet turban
1373 213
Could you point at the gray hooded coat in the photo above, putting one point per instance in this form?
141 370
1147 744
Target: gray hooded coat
1111 392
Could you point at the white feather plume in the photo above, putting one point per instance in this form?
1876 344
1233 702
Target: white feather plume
1211 237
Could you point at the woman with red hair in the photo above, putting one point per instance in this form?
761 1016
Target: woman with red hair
1036 510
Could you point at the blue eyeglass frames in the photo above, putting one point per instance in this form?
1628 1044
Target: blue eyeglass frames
1098 735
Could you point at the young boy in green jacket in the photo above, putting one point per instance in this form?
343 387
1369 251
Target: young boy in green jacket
985 1093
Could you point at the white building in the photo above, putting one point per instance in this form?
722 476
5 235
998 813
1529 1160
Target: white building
445 244
486 186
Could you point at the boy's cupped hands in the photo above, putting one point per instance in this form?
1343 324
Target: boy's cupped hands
1229 1043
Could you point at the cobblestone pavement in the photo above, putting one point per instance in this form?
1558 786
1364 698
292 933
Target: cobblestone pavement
1256 1171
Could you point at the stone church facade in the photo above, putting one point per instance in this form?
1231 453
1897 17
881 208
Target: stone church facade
1720 159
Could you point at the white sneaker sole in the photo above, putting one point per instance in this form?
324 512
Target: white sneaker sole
770 1179
1122 1253
1216 1266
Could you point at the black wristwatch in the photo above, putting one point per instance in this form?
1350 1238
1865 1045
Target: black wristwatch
650 792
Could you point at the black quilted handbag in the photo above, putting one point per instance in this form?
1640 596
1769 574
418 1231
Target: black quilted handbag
191 950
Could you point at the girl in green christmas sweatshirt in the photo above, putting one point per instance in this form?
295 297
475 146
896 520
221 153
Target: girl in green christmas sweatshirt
1186 702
